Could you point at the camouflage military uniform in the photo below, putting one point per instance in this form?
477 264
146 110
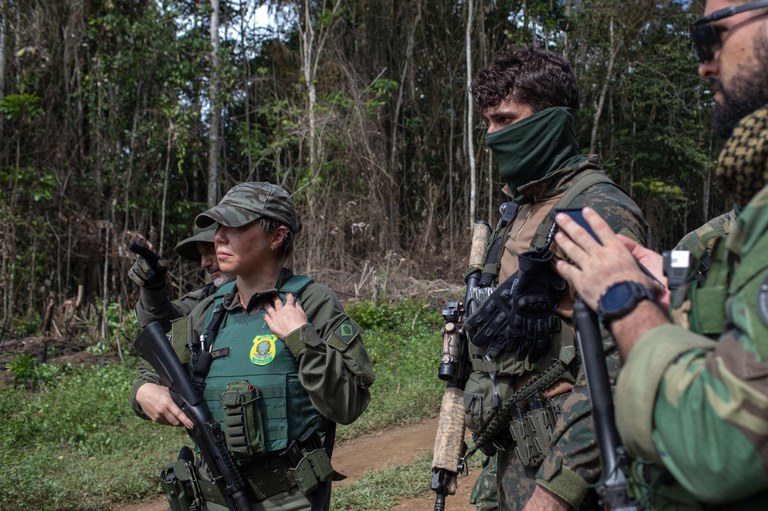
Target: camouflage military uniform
572 461
697 406
721 226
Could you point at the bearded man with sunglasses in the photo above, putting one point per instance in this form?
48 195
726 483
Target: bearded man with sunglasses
693 399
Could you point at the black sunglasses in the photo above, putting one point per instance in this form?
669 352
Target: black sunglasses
705 37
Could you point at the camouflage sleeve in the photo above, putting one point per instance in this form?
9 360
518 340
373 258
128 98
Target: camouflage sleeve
333 365
616 208
574 462
718 226
705 415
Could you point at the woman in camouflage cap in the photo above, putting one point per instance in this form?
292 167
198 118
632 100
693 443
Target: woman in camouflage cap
287 362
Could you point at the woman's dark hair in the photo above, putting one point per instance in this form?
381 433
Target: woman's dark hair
269 225
538 78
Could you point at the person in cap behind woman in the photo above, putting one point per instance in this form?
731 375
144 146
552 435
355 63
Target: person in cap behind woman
154 304
287 360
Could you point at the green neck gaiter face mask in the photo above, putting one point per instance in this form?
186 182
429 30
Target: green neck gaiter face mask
535 147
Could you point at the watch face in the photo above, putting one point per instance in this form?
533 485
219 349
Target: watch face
616 297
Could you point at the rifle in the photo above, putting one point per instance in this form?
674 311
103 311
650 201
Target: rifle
454 365
206 431
613 488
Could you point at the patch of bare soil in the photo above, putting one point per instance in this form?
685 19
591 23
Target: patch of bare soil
395 446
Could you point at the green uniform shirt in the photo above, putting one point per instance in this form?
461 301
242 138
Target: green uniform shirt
333 365
700 407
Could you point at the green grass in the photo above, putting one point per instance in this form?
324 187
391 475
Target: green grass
74 443
382 489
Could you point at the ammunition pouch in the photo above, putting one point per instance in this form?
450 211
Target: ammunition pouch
532 430
242 424
181 485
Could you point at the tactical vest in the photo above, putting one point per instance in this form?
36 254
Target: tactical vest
699 305
492 265
253 366
492 381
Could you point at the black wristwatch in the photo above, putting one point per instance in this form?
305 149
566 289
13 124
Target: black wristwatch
620 299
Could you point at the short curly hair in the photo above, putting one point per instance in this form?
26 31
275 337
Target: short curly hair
538 78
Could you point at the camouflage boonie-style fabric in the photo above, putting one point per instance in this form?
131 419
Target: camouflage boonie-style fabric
700 407
720 226
573 462
247 202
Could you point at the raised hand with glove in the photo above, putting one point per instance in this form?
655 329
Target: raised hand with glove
149 269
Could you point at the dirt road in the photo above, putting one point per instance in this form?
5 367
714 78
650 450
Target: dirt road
395 446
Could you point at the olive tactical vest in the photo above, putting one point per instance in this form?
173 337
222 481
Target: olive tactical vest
699 305
245 350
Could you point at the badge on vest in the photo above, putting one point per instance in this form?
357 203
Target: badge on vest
762 301
263 349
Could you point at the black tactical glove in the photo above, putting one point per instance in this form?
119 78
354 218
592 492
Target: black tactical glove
490 325
520 314
533 301
149 269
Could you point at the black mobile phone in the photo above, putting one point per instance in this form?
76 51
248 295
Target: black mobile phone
577 216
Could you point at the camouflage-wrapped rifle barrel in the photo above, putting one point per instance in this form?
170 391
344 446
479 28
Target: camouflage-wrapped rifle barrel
454 365
154 347
613 487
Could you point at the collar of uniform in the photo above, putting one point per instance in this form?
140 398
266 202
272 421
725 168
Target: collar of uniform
553 184
232 301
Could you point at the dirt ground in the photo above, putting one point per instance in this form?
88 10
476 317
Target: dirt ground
395 446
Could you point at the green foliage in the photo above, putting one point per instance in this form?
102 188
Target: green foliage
404 342
29 373
17 107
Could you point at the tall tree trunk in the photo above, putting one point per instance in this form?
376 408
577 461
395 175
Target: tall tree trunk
613 51
470 120
214 143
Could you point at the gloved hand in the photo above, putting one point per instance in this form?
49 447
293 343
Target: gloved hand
534 297
519 315
149 269
490 324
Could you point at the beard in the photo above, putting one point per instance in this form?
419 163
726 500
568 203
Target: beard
223 278
748 92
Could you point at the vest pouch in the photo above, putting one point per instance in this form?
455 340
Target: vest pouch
313 468
522 435
478 401
541 426
708 309
242 421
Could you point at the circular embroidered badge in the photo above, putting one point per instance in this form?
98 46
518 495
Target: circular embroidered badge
263 349
762 301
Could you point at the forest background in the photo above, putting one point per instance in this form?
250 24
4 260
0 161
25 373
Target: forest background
123 119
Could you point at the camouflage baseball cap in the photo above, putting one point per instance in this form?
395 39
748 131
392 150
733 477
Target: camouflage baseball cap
187 248
247 202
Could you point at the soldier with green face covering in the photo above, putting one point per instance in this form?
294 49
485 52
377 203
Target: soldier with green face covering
284 363
545 452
